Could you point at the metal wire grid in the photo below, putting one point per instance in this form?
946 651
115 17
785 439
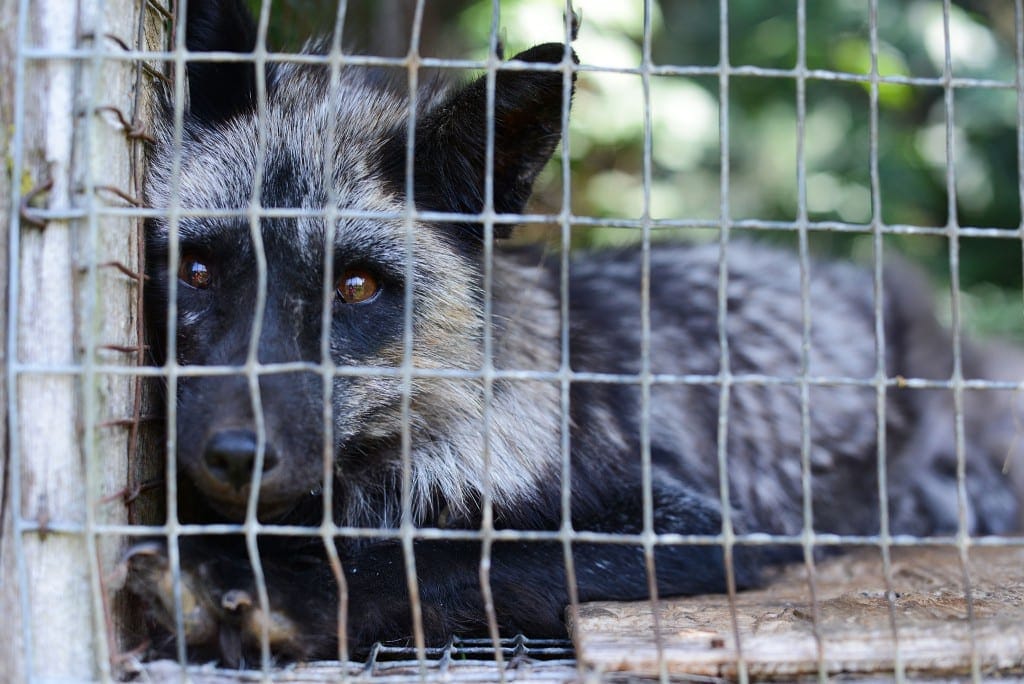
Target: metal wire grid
90 365
460 660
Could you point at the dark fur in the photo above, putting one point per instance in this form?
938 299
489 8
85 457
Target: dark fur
364 162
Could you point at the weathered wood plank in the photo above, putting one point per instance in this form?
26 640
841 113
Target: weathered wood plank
776 624
67 312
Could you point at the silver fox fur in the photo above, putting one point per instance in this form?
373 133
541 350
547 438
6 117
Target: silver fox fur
345 144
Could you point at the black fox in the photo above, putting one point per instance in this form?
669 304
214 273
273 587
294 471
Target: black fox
322 156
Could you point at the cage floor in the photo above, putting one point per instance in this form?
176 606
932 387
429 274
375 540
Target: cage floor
929 630
938 632
463 660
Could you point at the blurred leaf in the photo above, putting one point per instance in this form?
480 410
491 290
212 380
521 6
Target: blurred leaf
853 55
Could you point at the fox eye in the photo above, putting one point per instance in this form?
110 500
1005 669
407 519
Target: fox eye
194 272
357 285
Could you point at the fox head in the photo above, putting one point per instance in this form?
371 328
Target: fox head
296 257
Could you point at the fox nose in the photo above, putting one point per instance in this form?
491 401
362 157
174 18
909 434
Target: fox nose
230 456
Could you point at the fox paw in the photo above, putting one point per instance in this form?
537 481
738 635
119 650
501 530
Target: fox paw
221 613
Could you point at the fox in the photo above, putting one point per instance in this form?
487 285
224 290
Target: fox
364 357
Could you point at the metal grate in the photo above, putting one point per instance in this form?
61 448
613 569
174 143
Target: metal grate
461 660
76 363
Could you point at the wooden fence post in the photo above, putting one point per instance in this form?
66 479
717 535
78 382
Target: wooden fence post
69 111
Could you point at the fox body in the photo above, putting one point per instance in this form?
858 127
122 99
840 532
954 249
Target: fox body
323 160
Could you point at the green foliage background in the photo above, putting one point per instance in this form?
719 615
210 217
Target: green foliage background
607 136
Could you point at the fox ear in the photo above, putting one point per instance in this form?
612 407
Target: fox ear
451 140
219 90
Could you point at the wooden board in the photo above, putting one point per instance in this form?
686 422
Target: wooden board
67 313
776 624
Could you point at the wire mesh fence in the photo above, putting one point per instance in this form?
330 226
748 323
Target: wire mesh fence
170 441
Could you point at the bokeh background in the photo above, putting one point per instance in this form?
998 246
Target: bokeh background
607 136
